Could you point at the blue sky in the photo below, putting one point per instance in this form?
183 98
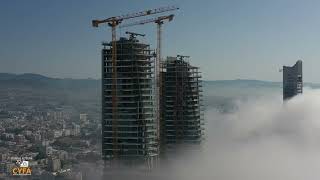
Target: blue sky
228 39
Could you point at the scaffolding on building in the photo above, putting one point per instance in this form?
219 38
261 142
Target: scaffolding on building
181 102
129 129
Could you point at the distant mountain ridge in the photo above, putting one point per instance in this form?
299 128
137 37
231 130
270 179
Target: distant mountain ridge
250 82
11 76
40 81
244 82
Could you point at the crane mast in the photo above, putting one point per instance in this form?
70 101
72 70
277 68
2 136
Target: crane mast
158 76
159 21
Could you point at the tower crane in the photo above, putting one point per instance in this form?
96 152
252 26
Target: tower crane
113 22
181 57
159 21
133 34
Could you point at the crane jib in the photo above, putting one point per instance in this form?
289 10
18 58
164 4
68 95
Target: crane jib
95 23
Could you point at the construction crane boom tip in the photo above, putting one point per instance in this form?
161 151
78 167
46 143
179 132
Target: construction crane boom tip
115 20
95 23
181 57
158 20
133 34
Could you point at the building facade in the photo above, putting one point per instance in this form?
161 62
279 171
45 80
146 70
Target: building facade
181 102
129 128
292 80
83 120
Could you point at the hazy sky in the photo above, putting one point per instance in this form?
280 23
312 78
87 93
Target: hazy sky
228 39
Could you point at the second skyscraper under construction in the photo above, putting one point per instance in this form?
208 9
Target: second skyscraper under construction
181 102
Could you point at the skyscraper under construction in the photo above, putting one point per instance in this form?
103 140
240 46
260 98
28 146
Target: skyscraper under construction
181 102
292 80
129 128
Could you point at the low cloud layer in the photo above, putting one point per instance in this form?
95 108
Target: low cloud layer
263 139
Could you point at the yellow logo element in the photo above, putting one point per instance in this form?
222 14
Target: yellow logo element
21 171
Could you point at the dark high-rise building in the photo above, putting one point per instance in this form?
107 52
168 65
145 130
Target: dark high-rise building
129 128
292 80
181 102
